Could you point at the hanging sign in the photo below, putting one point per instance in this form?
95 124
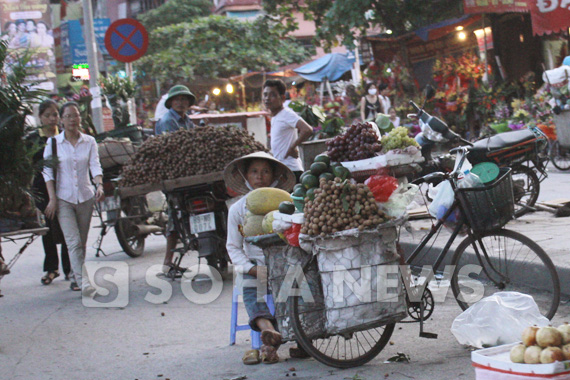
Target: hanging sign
496 6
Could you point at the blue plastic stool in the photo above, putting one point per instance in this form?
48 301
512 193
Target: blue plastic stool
234 328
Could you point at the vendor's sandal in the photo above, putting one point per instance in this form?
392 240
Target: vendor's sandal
251 357
74 287
298 353
49 277
4 268
271 338
269 355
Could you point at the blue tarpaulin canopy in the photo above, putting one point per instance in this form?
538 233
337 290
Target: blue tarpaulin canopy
331 66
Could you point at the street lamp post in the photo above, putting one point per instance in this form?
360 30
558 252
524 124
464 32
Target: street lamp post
91 44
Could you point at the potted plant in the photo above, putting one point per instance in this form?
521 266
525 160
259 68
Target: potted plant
118 92
16 157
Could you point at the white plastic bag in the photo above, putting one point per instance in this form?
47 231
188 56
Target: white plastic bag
399 200
442 201
497 319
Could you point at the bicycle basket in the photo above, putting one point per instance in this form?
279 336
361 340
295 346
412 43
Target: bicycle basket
490 207
282 261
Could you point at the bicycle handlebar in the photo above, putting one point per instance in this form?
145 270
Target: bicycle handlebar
431 178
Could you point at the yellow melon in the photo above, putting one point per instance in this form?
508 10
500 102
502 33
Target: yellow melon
261 201
252 225
267 223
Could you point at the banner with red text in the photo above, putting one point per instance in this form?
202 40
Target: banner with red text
549 16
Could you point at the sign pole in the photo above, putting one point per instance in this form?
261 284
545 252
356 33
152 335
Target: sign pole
131 102
126 40
486 77
91 44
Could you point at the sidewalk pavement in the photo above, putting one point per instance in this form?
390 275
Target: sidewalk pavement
542 227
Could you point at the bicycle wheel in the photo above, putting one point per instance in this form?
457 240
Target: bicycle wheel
560 156
342 350
504 260
526 187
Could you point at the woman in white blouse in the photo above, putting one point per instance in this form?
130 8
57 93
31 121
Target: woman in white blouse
72 197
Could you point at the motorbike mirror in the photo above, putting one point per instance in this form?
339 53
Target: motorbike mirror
429 92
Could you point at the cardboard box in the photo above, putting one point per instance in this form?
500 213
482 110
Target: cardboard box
495 364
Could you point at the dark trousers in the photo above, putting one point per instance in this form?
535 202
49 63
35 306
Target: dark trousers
51 261
298 175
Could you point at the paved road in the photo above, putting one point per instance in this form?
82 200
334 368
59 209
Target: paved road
47 333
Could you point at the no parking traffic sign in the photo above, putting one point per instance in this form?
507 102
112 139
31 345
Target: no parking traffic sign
126 40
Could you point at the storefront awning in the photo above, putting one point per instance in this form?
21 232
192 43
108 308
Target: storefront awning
435 31
331 66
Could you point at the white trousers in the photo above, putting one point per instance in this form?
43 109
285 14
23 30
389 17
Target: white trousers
75 220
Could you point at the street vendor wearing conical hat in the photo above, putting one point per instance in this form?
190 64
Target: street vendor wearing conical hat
242 175
179 101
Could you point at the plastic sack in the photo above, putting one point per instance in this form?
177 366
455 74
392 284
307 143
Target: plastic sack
281 226
156 201
399 200
382 186
497 319
292 235
443 201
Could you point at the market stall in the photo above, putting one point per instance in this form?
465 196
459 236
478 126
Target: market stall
342 218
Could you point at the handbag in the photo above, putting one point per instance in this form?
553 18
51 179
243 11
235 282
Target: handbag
53 224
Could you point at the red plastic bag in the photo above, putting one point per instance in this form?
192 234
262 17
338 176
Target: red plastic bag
292 235
382 186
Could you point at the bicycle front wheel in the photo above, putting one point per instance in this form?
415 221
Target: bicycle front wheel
560 156
526 187
504 260
342 350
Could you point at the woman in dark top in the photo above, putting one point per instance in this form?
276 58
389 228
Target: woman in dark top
370 105
49 118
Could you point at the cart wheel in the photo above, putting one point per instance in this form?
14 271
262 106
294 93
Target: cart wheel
560 156
414 308
132 244
342 350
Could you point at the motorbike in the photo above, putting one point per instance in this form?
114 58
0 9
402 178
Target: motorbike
523 151
200 217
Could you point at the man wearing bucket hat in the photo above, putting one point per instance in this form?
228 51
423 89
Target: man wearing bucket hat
242 175
178 103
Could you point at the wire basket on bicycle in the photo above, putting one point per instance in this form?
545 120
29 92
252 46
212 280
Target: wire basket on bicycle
489 207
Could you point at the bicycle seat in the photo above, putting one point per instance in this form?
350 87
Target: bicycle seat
502 140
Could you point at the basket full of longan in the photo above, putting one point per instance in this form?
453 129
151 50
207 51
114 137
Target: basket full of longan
187 153
340 205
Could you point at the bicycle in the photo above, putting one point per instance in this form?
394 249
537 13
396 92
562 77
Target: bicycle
505 258
559 151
